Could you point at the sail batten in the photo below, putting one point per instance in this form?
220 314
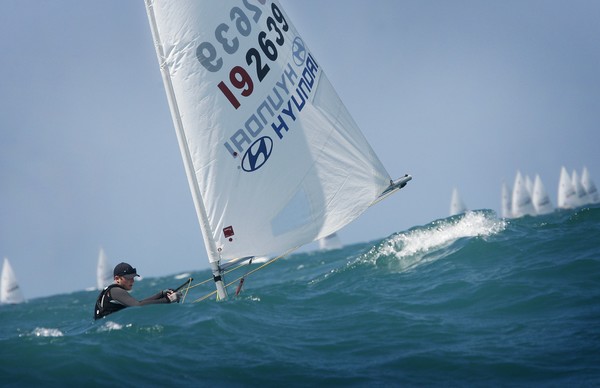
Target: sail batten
273 158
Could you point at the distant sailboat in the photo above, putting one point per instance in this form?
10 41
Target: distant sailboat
104 272
540 198
580 193
566 191
521 198
273 158
506 201
593 196
330 242
529 184
10 292
457 206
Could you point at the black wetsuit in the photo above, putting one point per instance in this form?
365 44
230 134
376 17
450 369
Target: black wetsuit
105 304
108 304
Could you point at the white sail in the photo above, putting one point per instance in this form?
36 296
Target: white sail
521 199
273 158
580 193
566 191
506 201
540 198
10 292
330 242
104 272
593 196
529 184
457 205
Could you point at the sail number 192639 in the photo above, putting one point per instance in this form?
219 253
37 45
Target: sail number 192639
228 37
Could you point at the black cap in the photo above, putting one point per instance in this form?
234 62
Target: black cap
124 269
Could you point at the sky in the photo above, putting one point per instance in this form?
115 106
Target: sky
456 93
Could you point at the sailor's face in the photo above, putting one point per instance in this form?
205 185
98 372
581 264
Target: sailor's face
126 282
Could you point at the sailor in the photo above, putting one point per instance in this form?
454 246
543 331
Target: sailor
116 296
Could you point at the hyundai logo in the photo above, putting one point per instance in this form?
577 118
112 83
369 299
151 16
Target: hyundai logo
257 154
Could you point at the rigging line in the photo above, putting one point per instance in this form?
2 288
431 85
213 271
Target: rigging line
209 279
187 289
201 283
205 296
236 268
248 273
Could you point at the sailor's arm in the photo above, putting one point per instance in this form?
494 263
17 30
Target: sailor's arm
123 297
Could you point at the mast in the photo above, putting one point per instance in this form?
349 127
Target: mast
211 248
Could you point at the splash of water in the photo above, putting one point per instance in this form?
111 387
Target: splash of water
46 332
110 326
434 241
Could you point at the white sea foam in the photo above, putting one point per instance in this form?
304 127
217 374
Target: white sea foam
420 245
110 326
44 332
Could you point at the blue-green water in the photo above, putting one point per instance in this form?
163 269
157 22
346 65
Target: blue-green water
470 300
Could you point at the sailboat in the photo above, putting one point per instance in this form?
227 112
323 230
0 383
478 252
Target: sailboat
521 198
540 198
273 158
10 292
589 186
330 242
566 191
457 206
529 185
506 201
104 272
580 194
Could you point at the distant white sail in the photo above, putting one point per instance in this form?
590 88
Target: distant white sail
457 206
566 191
330 242
529 184
580 193
506 201
593 196
104 272
10 292
540 198
273 158
521 198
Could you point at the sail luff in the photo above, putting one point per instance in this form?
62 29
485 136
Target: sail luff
209 243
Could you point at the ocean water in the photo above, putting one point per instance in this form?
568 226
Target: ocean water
470 300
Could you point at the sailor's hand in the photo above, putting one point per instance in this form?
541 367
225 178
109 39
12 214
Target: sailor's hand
173 296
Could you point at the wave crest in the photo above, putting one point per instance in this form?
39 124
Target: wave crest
436 240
